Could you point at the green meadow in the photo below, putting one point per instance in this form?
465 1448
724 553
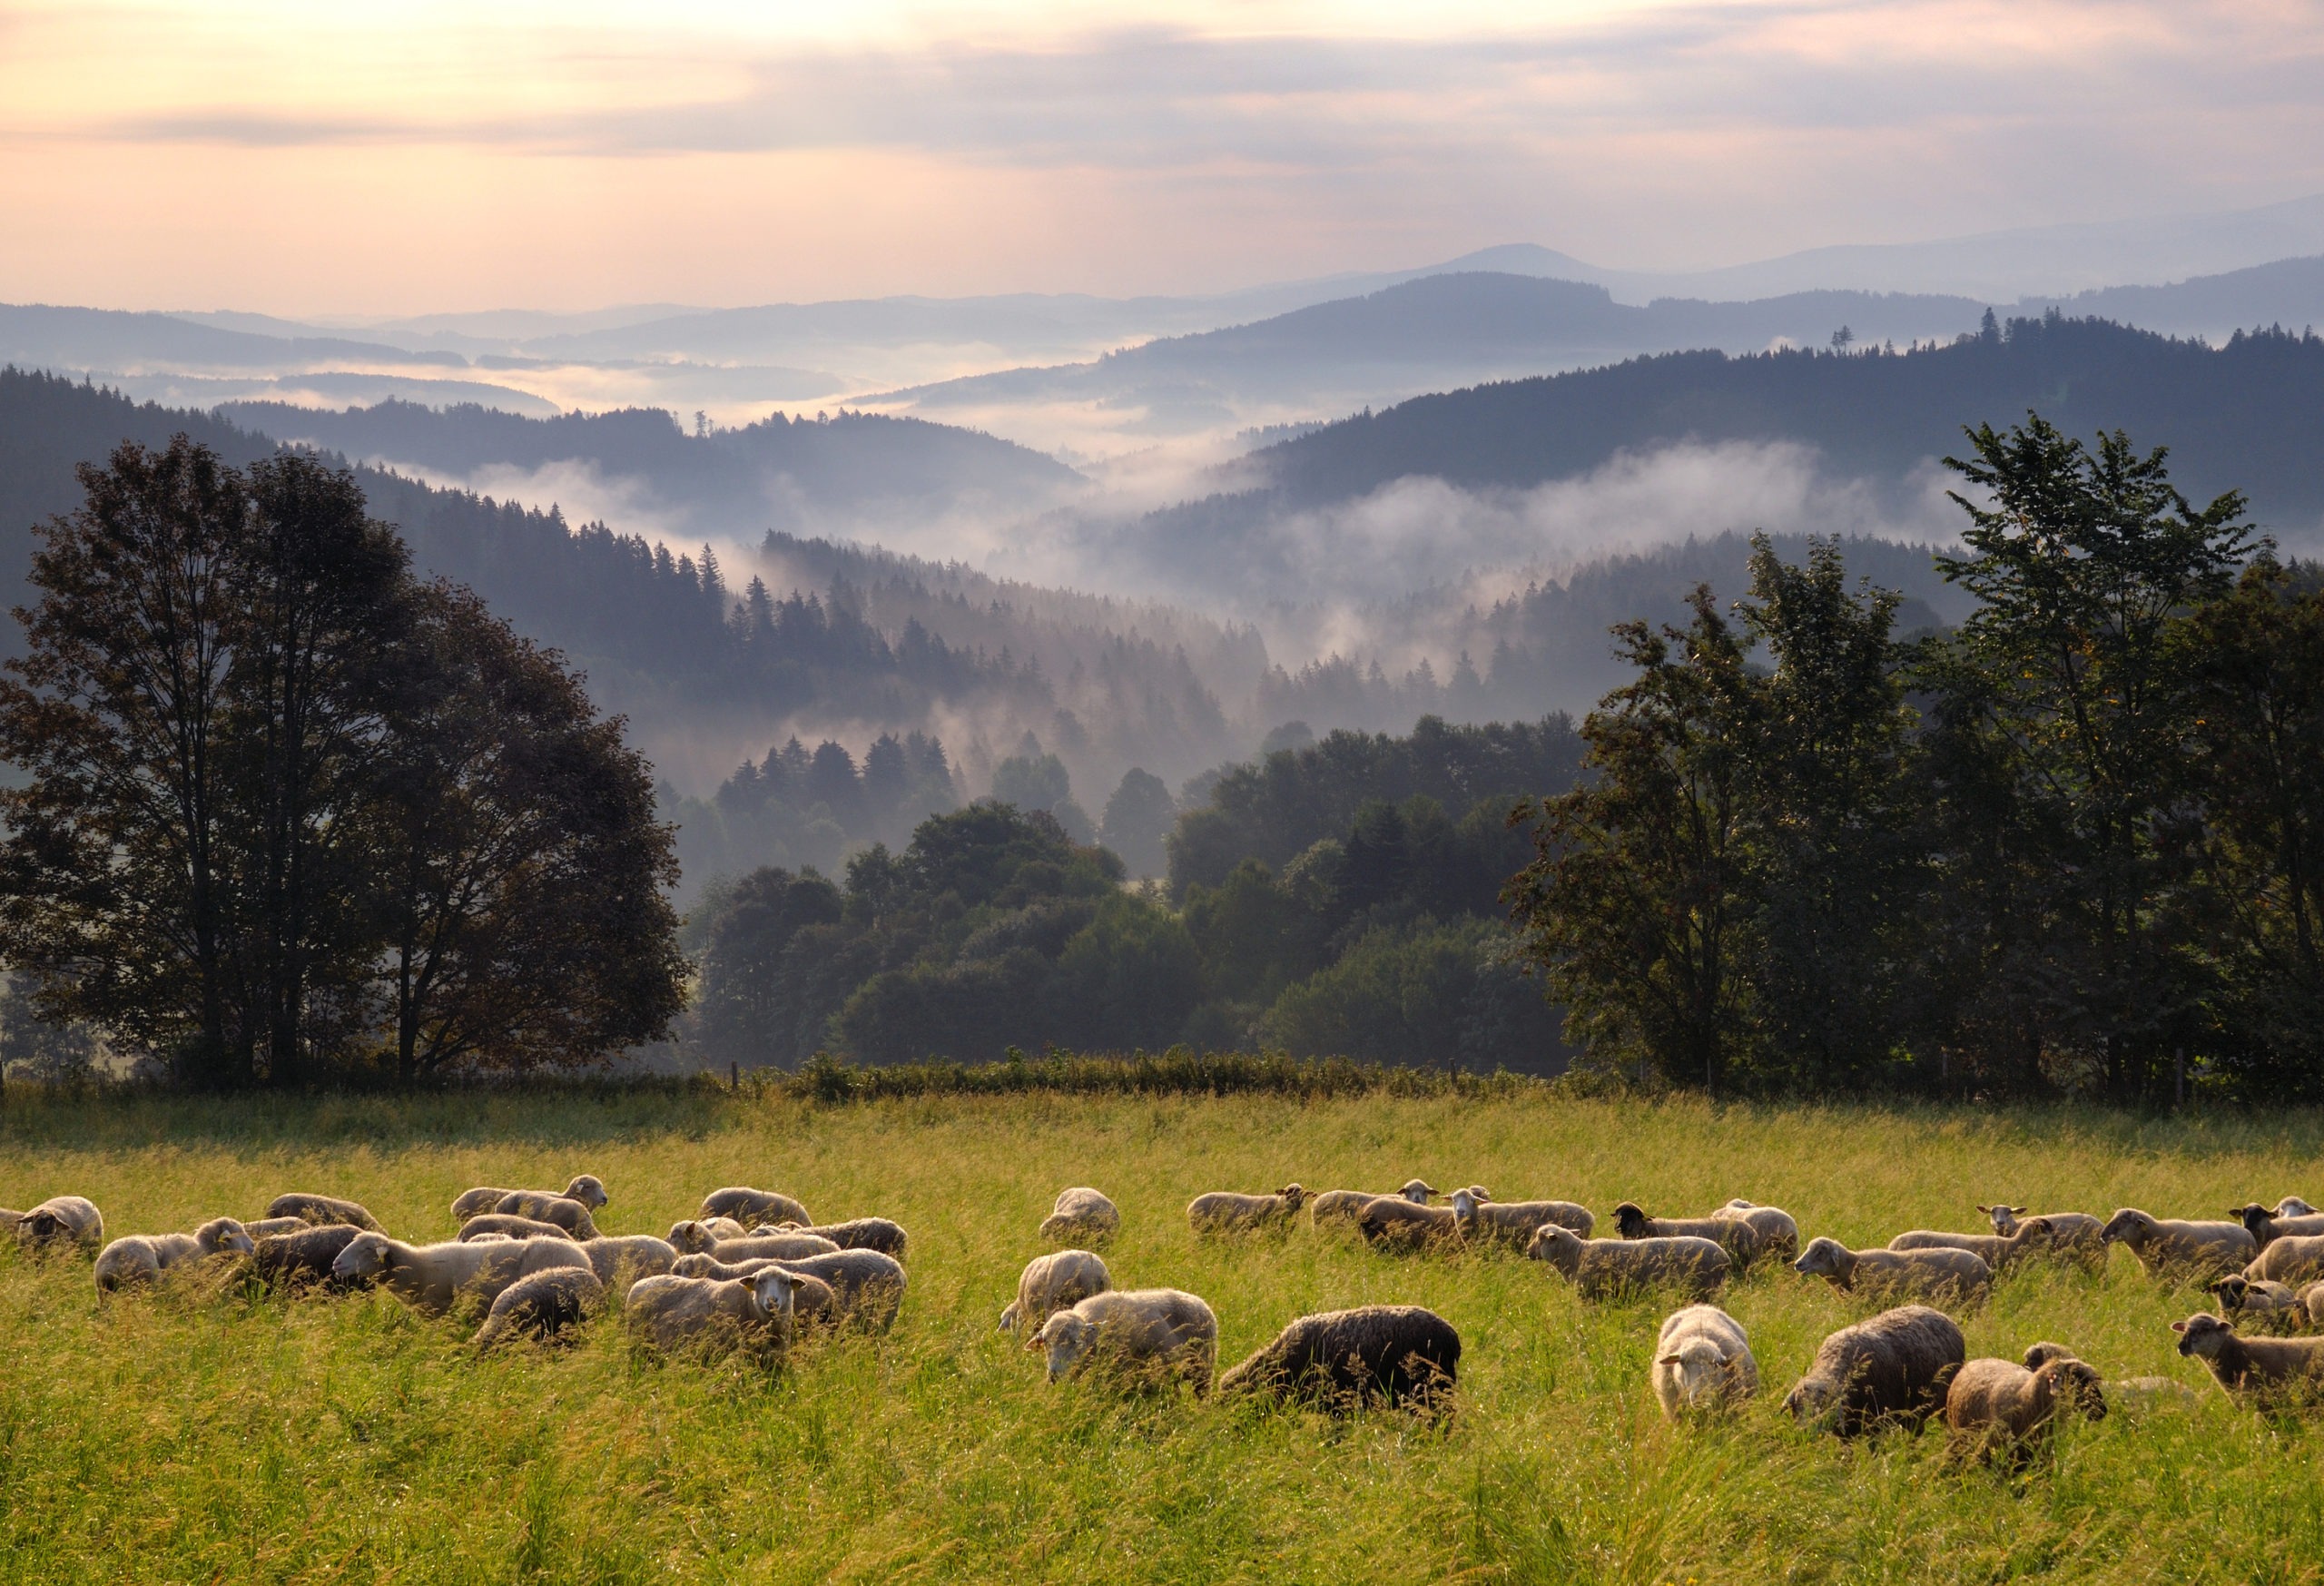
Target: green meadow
207 1432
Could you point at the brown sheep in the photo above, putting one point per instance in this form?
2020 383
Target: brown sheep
542 1305
1740 1239
1225 1212
1998 1251
1607 1268
2260 1372
1993 1405
2293 1258
1940 1278
1402 1354
749 1207
1344 1206
1514 1221
2180 1249
296 1259
1892 1369
322 1210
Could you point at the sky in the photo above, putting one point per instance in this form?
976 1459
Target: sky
370 158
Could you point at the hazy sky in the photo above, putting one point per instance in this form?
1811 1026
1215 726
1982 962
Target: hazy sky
356 157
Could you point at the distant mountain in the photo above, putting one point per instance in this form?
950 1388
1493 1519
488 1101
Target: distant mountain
2288 293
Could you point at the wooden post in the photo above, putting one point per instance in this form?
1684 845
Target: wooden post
734 1078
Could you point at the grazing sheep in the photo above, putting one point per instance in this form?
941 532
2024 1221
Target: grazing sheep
1340 1359
1605 1268
697 1236
322 1210
1702 1361
1740 1239
1514 1221
542 1305
2293 1258
1778 1234
772 1246
869 1286
586 1188
2271 1306
1224 1211
1890 1369
747 1206
1154 1333
1082 1214
1998 1251
1056 1282
1939 1276
857 1234
1344 1206
434 1279
2258 1372
61 1219
514 1227
304 1256
1995 1404
675 1313
540 1207
2178 1249
142 1257
635 1254
1392 1222
2073 1236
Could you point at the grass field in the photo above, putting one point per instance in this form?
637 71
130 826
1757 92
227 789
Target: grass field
200 1434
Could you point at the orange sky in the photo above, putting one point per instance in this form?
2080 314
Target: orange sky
376 158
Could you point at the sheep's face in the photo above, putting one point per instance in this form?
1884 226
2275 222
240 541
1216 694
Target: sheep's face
41 1227
776 1290
1630 1220
2004 1216
1066 1338
2233 1290
365 1257
2077 1386
587 1190
1464 1205
691 1237
1417 1191
2202 1336
1292 1195
1697 1372
1561 1247
1820 1259
224 1234
2131 1227
2291 1205
1813 1401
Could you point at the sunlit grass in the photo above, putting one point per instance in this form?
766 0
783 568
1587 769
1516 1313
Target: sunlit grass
204 1432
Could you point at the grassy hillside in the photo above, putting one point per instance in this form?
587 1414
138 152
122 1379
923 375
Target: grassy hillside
202 1433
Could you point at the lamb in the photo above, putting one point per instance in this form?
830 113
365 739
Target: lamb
1392 1222
2261 1372
1995 1404
857 1234
1402 1354
1740 1239
2073 1236
1940 1276
142 1257
774 1246
434 1279
1604 1268
675 1313
304 1256
1080 1214
542 1305
540 1206
1891 1369
747 1206
2290 1259
1223 1211
1702 1361
2267 1226
1154 1332
1778 1234
2000 1252
61 1219
637 1254
491 1223
322 1210
2204 1250
1514 1221
2271 1305
1344 1206
1056 1282
868 1287
697 1236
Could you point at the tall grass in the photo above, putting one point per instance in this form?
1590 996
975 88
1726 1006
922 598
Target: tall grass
207 1432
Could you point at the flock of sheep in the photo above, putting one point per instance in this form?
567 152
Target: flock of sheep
754 1266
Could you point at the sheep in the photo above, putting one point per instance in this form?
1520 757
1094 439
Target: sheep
1740 1239
2073 1236
869 1286
1702 1361
777 1246
856 1234
322 1209
491 1223
1604 1268
1082 1214
587 1188
1392 1222
1154 1332
1778 1232
540 1206
1514 1221
639 1255
1402 1354
1344 1206
2312 1299
61 1219
1939 1276
142 1257
304 1256
2204 1250
267 1227
675 1312
2291 1205
2259 1371
434 1279
2270 1305
1223 1211
542 1305
1995 1404
2290 1259
475 1203
747 1206
1890 1369
2000 1252
2267 1226
1056 1282
697 1235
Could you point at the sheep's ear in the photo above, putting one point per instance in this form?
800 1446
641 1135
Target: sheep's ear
1986 1210
1666 1360
2178 1326
1033 1344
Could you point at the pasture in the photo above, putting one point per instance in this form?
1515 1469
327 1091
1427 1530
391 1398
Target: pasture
207 1432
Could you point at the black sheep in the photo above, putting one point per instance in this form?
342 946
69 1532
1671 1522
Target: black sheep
1402 1354
285 1260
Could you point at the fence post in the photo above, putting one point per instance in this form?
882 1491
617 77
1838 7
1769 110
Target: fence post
734 1078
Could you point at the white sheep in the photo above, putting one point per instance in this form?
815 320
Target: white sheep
587 1188
61 1219
1345 1206
1514 1221
1056 1282
697 1236
2166 1247
753 1206
1081 1215
434 1279
142 1257
1225 1211
675 1313
1702 1361
513 1228
1778 1234
1139 1332
636 1254
776 1247
1604 1268
1938 1276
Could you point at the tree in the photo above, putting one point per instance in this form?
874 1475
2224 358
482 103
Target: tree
1136 819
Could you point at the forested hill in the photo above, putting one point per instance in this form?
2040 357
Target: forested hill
2248 415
